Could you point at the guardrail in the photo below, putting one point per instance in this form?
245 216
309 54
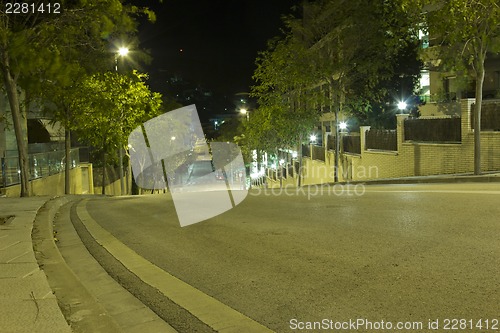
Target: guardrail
40 165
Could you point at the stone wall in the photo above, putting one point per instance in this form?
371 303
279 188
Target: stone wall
51 185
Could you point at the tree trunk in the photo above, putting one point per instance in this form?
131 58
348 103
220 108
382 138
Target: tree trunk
477 116
17 119
299 157
67 158
337 141
104 173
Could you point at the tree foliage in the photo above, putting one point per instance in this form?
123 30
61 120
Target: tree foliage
467 31
344 56
110 105
287 104
37 46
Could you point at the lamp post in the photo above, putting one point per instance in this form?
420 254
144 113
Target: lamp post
343 125
245 112
312 141
402 106
340 126
122 52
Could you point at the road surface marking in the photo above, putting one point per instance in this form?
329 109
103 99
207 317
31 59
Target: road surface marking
215 314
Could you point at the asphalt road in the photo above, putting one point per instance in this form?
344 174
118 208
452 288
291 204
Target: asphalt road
395 253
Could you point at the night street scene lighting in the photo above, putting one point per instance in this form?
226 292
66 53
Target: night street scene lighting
250 166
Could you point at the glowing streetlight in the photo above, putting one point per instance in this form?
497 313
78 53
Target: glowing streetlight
402 105
245 112
122 51
343 125
312 138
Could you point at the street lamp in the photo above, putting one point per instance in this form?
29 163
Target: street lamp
402 105
245 112
122 52
312 138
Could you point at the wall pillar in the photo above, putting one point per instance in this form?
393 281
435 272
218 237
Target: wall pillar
362 137
400 129
466 113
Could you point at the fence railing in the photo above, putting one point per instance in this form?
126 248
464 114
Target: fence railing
433 130
306 151
351 144
318 153
382 139
330 143
40 165
490 116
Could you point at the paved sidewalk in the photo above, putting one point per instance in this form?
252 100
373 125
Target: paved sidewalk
27 303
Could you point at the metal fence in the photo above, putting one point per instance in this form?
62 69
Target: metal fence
351 144
318 153
40 165
382 139
306 151
330 143
433 130
490 116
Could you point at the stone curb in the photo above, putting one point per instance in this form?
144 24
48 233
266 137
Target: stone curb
78 306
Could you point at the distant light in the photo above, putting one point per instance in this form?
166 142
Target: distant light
243 111
294 154
172 138
312 138
343 125
402 105
123 51
216 122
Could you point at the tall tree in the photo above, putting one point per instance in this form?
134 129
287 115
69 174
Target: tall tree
32 42
336 54
288 108
110 105
468 30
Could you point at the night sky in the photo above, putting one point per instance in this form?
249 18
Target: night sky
213 43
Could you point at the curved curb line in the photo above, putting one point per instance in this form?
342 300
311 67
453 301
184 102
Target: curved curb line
215 314
82 312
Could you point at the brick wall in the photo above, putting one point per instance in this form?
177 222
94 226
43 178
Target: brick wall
411 158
